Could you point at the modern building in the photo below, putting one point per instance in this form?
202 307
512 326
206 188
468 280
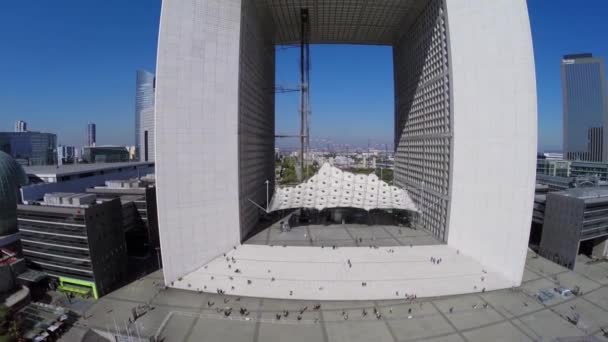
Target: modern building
556 183
105 154
140 222
553 167
144 114
76 240
575 223
20 126
12 177
30 148
66 173
462 107
66 154
589 170
550 171
78 177
585 108
91 134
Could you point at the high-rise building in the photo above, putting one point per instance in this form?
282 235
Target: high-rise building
585 108
30 148
91 134
144 115
460 101
65 154
20 126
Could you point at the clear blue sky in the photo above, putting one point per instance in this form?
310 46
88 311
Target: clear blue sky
64 63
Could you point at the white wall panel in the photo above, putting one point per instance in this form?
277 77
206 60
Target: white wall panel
494 135
196 132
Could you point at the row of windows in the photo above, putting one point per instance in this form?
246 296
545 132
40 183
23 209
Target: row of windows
423 132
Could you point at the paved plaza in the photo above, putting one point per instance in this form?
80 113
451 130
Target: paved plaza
340 262
344 235
505 315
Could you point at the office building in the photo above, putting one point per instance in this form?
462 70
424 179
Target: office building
140 223
75 240
460 101
30 148
105 154
553 167
66 154
585 108
144 115
575 223
12 177
91 134
20 126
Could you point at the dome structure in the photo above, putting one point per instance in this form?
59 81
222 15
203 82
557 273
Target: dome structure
12 177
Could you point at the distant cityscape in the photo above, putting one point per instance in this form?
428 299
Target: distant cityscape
33 148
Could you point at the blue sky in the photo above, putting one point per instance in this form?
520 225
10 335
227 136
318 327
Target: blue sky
64 63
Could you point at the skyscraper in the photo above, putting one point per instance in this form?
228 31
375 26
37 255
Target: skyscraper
65 154
144 115
91 134
585 108
20 126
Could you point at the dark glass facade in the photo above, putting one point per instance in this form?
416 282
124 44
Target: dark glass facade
585 108
144 115
91 134
105 154
30 148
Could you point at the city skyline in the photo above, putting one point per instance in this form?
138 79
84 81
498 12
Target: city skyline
94 82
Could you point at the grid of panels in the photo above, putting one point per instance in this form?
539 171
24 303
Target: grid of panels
256 114
334 188
422 121
343 21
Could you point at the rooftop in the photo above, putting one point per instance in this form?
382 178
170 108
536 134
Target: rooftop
579 55
505 315
70 169
586 193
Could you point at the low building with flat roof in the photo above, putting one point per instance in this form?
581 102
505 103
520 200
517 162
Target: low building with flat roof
63 173
78 177
105 154
75 240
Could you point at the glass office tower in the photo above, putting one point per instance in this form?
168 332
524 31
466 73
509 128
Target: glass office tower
585 108
144 115
91 134
30 148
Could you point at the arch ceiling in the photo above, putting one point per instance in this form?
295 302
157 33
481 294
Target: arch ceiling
376 22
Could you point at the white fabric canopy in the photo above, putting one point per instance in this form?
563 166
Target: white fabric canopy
334 188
